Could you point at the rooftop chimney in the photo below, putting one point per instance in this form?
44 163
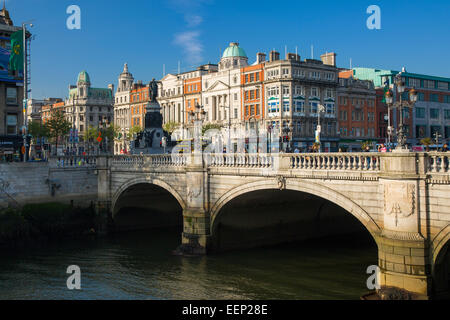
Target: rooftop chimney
293 56
329 59
260 57
274 55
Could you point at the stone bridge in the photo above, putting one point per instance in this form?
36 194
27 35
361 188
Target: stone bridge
402 199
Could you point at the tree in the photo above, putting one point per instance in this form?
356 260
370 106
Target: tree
427 142
210 126
134 130
58 126
37 130
171 126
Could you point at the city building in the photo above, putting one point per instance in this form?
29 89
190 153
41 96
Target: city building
431 114
139 97
294 91
122 109
11 91
241 97
87 106
356 112
34 108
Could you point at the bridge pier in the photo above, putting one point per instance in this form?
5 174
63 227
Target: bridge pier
405 271
195 238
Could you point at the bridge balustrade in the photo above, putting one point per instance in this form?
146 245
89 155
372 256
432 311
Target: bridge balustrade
73 162
438 162
335 161
252 160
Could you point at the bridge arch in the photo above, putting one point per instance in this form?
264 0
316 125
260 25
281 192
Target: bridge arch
310 188
146 180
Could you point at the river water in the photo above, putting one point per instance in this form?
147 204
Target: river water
139 265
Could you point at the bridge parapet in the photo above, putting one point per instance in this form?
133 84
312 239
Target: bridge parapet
73 162
335 161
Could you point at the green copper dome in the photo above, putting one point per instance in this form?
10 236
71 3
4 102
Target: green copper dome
83 76
234 51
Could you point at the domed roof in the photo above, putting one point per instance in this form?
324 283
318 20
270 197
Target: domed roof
83 76
234 51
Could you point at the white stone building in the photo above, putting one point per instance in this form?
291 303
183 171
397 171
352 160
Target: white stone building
122 114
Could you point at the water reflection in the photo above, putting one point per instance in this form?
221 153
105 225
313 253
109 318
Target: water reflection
139 265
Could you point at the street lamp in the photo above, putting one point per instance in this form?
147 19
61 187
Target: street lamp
320 110
400 86
229 126
197 116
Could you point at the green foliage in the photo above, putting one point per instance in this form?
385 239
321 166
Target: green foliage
90 134
366 145
134 130
111 132
58 126
426 142
171 126
209 126
50 220
37 129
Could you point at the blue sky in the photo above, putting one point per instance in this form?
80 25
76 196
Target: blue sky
147 34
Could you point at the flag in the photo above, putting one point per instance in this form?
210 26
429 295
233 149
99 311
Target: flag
17 51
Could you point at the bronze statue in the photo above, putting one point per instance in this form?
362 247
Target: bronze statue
153 90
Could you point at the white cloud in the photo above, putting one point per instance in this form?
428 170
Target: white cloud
193 20
191 44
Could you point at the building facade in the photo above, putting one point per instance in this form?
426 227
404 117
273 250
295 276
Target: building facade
294 90
356 112
11 91
274 96
122 109
431 114
89 107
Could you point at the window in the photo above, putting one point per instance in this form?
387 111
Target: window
257 76
420 113
11 124
421 96
313 107
11 95
285 90
329 108
371 116
414 82
443 85
235 113
421 131
434 113
257 109
235 97
286 106
429 84
447 114
434 97
252 77
206 100
314 92
299 106
447 132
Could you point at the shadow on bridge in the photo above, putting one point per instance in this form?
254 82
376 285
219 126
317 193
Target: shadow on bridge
145 206
270 217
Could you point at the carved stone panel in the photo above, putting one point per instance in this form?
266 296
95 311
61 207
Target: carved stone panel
400 206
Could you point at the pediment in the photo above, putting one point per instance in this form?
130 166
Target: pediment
217 86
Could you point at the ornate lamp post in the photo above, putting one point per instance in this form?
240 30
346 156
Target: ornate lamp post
320 109
269 131
401 104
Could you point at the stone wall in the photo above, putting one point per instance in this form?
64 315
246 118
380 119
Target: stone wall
22 183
